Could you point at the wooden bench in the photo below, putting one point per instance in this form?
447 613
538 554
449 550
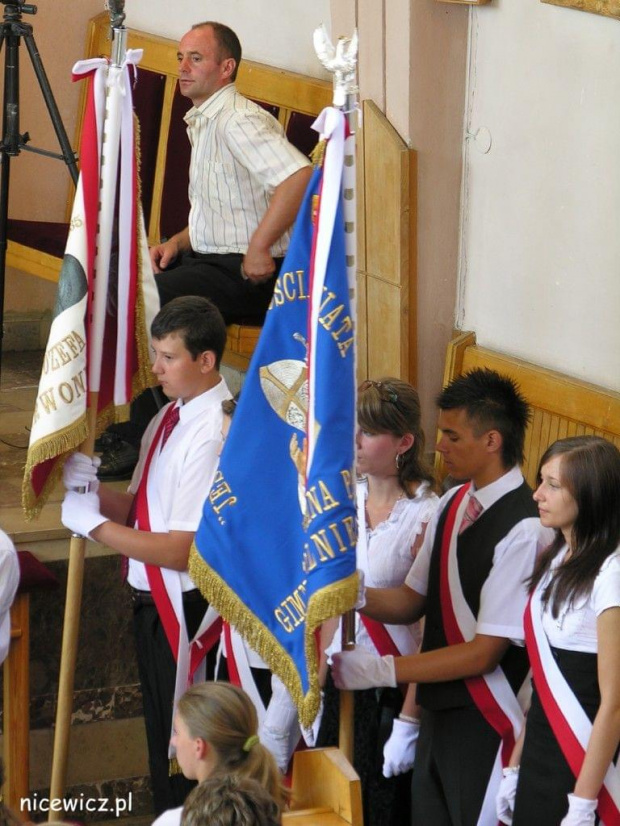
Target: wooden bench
326 791
292 98
561 405
16 682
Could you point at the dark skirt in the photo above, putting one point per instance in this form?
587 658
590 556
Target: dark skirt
386 801
545 778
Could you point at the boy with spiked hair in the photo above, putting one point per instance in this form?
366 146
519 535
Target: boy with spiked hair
154 523
468 581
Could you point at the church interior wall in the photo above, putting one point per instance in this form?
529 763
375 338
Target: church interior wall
540 251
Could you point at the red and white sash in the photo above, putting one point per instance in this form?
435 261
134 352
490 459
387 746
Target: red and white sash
492 692
239 669
167 590
396 640
568 720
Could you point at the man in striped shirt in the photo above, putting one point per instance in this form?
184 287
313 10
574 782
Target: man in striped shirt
246 185
246 182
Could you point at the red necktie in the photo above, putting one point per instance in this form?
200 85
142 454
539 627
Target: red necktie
472 512
170 422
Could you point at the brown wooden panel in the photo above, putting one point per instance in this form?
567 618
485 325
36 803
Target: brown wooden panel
387 329
609 8
562 406
362 328
386 165
387 227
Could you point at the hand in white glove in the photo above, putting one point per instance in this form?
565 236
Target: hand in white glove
581 812
280 730
505 800
311 734
80 512
361 591
359 668
80 471
399 750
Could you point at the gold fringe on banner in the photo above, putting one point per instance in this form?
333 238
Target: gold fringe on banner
48 448
328 602
317 156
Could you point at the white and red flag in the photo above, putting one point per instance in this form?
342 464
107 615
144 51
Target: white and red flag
97 352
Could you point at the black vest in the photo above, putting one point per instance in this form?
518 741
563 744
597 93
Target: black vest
475 548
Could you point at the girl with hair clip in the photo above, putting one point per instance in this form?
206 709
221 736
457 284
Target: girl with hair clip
215 735
395 501
572 629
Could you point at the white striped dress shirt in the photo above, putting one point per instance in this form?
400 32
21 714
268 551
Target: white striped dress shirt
239 156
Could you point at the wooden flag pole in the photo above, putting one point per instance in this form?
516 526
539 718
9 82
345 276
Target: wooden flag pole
70 636
77 550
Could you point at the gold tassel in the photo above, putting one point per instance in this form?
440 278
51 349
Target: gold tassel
317 156
330 601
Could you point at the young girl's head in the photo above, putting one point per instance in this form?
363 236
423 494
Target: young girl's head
579 489
216 734
579 496
391 406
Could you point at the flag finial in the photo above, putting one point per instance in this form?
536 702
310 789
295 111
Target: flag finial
340 60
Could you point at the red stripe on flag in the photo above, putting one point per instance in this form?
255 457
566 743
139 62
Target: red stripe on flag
201 647
231 663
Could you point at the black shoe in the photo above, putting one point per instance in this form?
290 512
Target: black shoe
118 462
106 441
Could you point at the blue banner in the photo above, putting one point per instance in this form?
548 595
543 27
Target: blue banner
275 551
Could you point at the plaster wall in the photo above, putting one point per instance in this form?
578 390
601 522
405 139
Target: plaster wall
540 254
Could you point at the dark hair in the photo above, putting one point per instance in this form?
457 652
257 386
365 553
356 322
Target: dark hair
227 42
590 470
197 321
230 801
390 405
492 402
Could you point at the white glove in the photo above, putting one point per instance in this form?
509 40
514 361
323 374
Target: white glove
361 591
80 512
505 800
581 812
359 668
280 730
399 750
311 734
80 471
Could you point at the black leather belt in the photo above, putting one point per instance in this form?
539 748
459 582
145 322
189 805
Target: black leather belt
146 597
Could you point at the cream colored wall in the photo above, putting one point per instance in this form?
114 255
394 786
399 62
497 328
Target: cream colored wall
39 186
278 32
539 269
413 66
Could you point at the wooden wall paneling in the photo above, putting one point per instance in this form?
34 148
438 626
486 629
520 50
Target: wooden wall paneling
410 227
561 405
360 195
389 248
362 327
386 341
